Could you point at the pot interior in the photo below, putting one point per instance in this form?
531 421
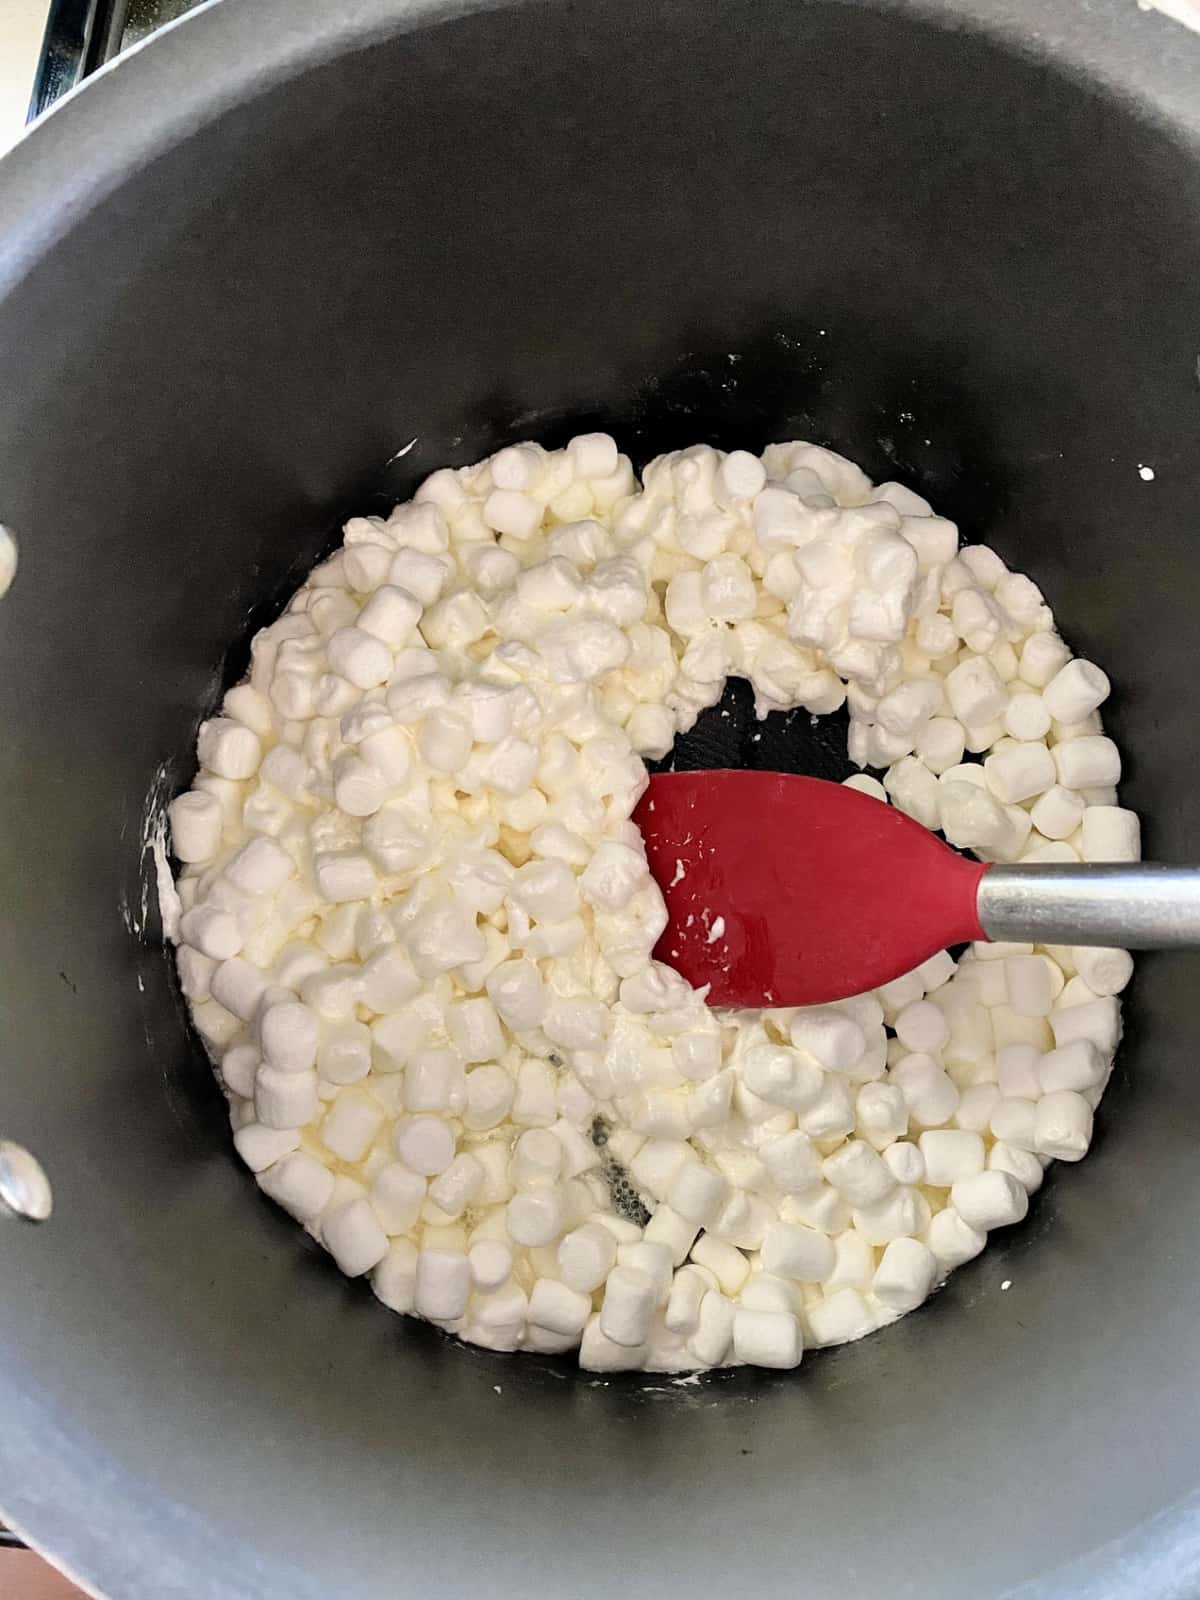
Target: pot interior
964 262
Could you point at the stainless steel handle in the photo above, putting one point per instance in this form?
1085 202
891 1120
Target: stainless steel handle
1135 906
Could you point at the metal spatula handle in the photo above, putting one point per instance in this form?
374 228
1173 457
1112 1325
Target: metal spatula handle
1135 906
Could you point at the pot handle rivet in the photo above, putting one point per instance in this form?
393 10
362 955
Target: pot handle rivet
24 1186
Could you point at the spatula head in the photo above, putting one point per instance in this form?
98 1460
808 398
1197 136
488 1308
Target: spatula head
786 891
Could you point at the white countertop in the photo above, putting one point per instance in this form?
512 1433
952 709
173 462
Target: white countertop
22 23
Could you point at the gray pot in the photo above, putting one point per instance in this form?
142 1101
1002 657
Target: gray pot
959 241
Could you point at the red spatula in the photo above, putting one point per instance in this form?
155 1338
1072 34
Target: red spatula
786 891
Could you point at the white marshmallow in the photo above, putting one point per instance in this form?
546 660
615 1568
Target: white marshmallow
797 1252
1078 1066
211 931
975 692
390 615
906 1273
922 1027
394 1279
630 1297
835 1040
767 1338
1105 971
560 1309
228 749
1020 772
285 1099
1075 690
424 1144
260 1146
397 1195
1087 763
353 1237
698 1194
351 1123
443 1285
196 820
950 1154
1063 1127
535 1217
360 658
300 1184
952 1240
1026 717
989 1200
1110 833
289 1034
586 1256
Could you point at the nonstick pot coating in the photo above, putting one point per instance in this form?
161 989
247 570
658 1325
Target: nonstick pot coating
958 242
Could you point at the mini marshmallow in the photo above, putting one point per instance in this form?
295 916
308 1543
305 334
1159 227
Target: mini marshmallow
1075 690
698 1194
950 1154
781 1076
196 821
797 1252
211 931
932 1097
952 1240
906 1273
260 1146
344 1054
228 749
285 1099
1026 717
673 1231
1020 772
989 1200
397 1195
1063 1127
443 1284
586 1256
394 1279
238 986
361 659
1109 833
1105 971
1087 763
1030 985
767 1338
905 1162
535 1217
390 615
353 1237
858 1173
922 1027
1078 1066
975 692
1098 1020
300 1184
630 1297
453 1191
560 1309
445 739
289 1034
350 1124
835 1040
424 1144
1058 812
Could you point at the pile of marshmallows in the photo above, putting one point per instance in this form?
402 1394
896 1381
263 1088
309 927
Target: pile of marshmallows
417 919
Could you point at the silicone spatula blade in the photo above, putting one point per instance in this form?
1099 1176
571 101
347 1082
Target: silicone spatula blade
787 891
